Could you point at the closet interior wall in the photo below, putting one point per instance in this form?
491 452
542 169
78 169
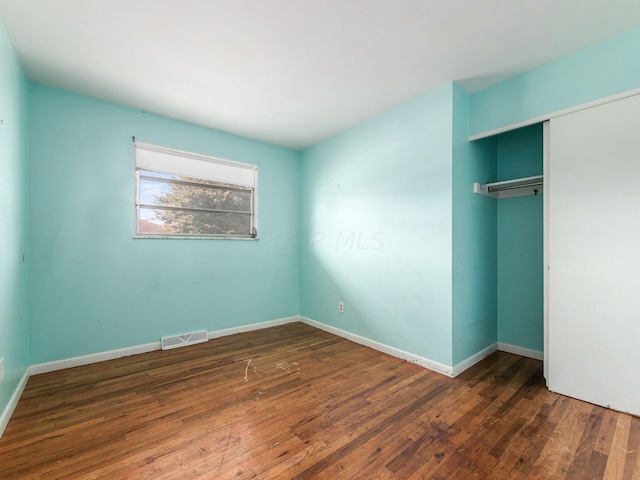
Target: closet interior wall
520 239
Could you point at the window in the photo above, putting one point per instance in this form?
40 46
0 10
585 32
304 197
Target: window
181 194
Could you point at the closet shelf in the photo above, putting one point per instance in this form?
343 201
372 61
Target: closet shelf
511 188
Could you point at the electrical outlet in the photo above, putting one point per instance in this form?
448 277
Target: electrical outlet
1 368
341 307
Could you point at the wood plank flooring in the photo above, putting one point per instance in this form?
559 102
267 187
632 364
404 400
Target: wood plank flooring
296 402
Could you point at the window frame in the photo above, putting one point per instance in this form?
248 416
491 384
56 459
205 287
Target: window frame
138 170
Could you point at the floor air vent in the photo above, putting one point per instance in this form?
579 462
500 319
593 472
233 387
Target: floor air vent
182 340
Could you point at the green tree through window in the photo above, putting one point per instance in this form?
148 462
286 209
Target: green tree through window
212 208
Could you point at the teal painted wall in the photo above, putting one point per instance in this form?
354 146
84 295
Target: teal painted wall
379 217
14 236
93 286
520 243
604 69
474 238
376 224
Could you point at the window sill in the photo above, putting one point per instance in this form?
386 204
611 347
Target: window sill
191 237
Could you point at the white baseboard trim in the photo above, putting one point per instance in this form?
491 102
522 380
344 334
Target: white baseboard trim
92 358
473 359
149 347
381 347
425 362
523 352
254 326
13 402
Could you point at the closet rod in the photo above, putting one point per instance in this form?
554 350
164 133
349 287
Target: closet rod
498 188
515 187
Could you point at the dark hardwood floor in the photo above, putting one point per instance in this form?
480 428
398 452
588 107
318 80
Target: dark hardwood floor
296 402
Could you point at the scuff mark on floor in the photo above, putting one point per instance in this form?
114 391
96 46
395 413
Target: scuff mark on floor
292 368
256 371
246 371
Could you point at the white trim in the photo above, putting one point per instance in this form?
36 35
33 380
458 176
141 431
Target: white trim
92 358
149 347
253 326
546 202
473 359
13 402
558 113
523 352
395 352
180 236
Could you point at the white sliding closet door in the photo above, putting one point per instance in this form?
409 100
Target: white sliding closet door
594 255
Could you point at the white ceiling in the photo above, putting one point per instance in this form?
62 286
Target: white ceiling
293 72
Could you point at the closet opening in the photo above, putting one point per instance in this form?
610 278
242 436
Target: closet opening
518 190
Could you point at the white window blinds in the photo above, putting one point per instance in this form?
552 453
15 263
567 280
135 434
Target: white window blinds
176 162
